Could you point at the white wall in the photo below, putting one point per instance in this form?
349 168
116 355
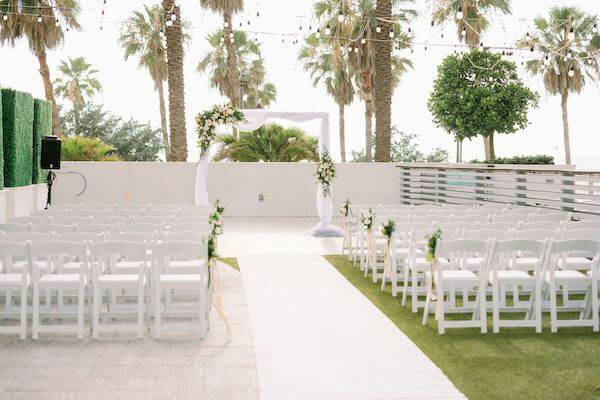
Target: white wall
289 188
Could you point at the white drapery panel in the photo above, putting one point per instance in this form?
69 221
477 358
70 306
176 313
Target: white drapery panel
255 119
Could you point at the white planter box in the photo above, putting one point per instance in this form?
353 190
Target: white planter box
40 197
3 206
19 201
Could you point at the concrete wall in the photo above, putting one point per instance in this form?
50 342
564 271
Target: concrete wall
289 189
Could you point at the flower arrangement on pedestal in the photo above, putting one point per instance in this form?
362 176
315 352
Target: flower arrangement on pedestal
325 173
215 219
345 210
207 122
367 217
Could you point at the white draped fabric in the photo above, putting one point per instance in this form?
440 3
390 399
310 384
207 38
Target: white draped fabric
254 120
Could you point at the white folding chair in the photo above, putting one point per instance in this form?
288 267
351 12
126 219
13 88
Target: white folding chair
473 219
558 218
474 263
153 220
585 224
164 280
449 278
15 281
125 213
98 228
191 227
111 220
88 213
512 218
167 213
56 279
143 227
29 220
69 220
554 278
104 256
53 228
14 227
502 275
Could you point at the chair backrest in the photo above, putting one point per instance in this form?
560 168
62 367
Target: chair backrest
472 219
49 251
459 207
505 252
454 226
586 224
514 218
125 213
180 249
190 219
199 227
11 251
111 220
50 213
585 233
98 228
554 217
28 220
536 234
492 206
80 237
500 226
14 227
88 213
484 212
161 213
460 248
560 249
22 237
485 234
410 226
541 225
71 220
56 228
143 227
153 220
194 236
524 210
133 236
200 213
119 247
133 206
431 218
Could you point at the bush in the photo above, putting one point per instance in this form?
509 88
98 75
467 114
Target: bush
42 126
78 148
17 121
523 160
405 148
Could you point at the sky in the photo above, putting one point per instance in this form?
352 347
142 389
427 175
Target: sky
129 92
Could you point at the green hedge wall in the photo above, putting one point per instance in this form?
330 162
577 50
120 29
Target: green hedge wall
42 126
1 146
17 121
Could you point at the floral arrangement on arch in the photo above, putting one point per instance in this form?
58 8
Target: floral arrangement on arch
325 173
207 122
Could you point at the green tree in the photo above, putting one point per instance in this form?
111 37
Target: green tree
259 94
570 53
323 59
479 94
79 148
131 140
76 83
270 143
470 16
227 8
175 79
43 36
142 36
404 148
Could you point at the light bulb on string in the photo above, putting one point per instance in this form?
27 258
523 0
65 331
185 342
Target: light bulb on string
464 31
300 28
571 71
341 17
363 41
378 29
532 49
432 23
392 34
5 17
409 30
173 17
226 24
425 48
169 23
56 23
572 34
459 14
248 22
356 49
318 34
240 24
39 18
327 30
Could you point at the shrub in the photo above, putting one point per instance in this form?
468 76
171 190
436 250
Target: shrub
42 126
78 148
17 121
540 159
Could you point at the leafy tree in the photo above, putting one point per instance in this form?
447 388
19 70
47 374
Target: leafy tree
130 140
79 148
270 143
479 94
77 83
404 148
570 53
470 16
41 36
259 93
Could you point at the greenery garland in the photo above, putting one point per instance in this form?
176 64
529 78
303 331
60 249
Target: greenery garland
325 173
207 122
216 220
367 218
431 244
388 229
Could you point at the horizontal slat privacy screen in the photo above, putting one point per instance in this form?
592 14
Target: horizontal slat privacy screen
560 189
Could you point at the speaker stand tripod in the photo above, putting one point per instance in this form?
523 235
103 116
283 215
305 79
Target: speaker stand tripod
49 182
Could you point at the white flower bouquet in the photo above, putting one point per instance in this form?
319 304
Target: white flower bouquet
207 122
325 173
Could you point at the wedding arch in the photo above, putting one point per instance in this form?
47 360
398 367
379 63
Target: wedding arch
250 120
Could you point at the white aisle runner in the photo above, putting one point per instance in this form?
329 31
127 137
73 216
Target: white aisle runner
317 337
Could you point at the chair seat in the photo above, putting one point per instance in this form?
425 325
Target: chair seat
120 280
524 263
422 263
60 280
512 276
473 263
456 277
41 265
11 280
74 265
128 267
569 276
186 280
576 263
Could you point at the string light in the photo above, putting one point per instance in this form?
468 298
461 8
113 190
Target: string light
391 34
226 24
378 29
363 41
464 31
459 14
571 71
56 23
40 19
5 17
327 30
173 17
572 34
341 16
318 34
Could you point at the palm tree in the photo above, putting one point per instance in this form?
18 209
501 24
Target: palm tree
470 16
570 52
24 21
142 35
324 61
363 61
383 81
77 83
175 79
250 64
228 8
270 143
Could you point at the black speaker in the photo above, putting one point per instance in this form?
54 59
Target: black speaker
50 152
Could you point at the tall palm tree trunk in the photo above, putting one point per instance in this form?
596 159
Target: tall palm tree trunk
233 74
77 113
342 122
176 84
565 121
369 125
49 91
383 83
163 119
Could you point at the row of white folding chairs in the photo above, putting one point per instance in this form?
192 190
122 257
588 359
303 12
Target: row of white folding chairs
149 224
124 212
496 271
135 206
72 265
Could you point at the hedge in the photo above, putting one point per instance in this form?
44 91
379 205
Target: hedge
17 121
42 126
1 146
523 160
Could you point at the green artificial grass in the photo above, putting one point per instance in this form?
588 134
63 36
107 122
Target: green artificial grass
42 126
231 261
517 363
17 121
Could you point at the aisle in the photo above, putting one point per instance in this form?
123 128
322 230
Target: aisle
317 337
